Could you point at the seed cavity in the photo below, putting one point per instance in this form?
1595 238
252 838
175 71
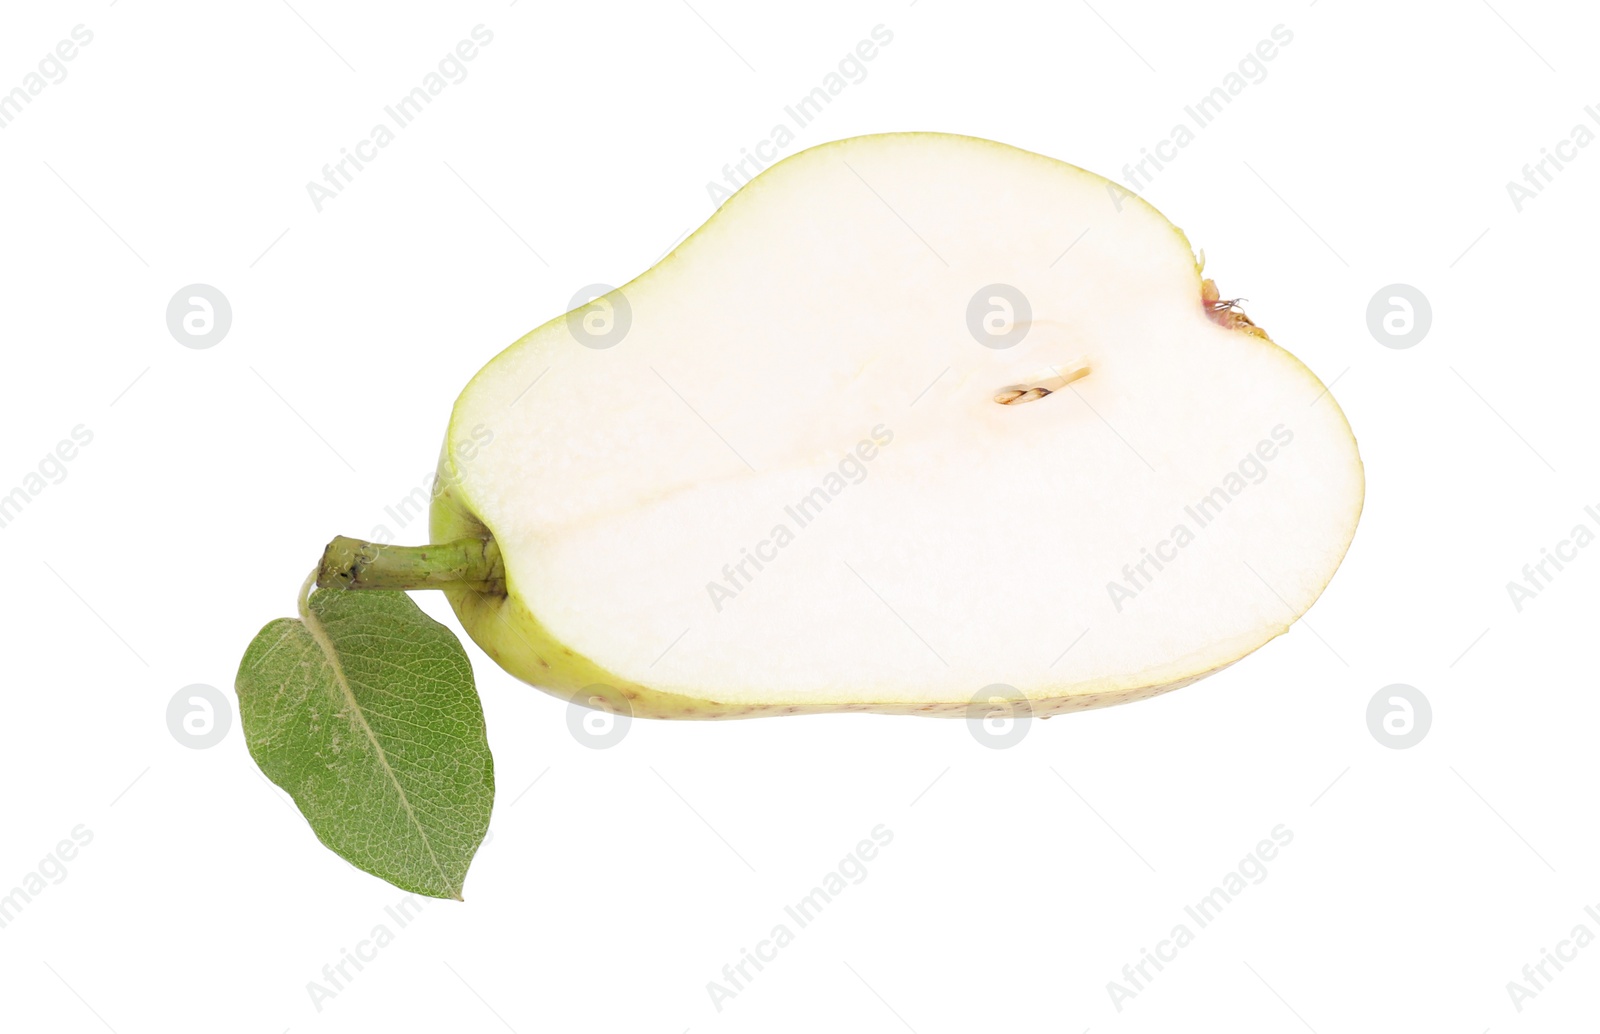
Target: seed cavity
1043 383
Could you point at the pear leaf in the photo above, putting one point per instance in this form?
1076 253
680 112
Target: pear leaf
365 711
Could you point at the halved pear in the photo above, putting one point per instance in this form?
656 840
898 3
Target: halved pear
913 420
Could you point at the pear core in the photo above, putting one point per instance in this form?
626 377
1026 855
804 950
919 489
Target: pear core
912 423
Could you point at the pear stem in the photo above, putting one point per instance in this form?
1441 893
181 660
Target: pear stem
470 563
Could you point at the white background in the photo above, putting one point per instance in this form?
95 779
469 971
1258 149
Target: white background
1019 882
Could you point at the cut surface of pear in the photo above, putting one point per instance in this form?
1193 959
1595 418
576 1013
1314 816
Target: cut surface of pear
805 478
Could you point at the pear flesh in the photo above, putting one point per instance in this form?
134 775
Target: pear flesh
912 421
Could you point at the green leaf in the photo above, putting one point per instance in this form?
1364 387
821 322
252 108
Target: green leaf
364 710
